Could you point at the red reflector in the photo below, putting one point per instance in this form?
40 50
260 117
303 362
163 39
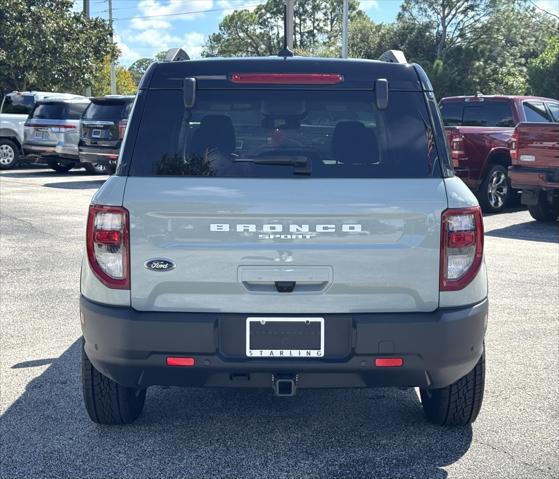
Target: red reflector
288 78
171 361
389 362
111 237
461 239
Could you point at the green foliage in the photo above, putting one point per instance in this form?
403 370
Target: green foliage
543 71
139 67
45 45
125 84
316 30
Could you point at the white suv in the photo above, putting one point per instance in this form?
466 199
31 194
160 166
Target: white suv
15 108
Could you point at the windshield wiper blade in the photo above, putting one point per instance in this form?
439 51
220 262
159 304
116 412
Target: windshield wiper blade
301 165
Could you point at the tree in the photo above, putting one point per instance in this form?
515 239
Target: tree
453 22
543 71
125 84
45 45
139 67
317 28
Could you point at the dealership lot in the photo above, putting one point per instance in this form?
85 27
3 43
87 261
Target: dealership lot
226 433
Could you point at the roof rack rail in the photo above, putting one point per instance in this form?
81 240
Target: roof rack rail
393 56
176 55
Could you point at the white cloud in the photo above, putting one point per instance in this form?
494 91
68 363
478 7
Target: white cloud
229 6
369 5
127 55
552 6
192 42
162 13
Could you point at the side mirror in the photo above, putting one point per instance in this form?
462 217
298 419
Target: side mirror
381 92
189 92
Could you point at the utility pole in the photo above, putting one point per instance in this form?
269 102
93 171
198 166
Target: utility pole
113 75
86 12
345 15
290 12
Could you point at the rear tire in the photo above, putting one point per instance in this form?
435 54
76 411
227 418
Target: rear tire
9 154
544 210
495 190
60 167
96 169
106 401
459 403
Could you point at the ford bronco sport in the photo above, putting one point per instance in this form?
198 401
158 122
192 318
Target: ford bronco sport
284 223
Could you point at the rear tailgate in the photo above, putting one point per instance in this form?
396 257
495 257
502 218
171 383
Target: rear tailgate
537 145
351 245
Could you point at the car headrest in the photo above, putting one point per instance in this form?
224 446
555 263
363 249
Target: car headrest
353 142
214 132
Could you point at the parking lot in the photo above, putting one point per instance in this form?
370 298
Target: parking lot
202 433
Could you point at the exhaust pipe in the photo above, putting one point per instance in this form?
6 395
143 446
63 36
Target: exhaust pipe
285 385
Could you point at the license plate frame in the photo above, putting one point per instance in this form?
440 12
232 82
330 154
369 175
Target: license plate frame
284 353
41 135
96 133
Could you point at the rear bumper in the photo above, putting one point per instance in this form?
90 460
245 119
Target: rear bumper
131 347
522 177
98 155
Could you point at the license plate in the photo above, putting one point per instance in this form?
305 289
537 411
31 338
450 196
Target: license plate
41 135
284 337
96 133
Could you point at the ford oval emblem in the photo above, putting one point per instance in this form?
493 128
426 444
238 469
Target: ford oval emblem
159 264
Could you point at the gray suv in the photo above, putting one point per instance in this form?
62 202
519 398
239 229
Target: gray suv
284 223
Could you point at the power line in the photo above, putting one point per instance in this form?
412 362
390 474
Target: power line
543 9
191 12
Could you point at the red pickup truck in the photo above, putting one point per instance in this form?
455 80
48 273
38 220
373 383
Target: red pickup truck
479 129
534 150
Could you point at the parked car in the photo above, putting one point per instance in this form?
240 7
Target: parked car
284 223
14 110
51 132
479 128
102 129
534 150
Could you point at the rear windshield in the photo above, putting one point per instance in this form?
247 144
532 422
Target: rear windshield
18 104
58 111
281 134
107 111
478 113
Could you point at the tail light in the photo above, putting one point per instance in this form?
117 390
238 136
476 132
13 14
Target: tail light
122 128
513 146
461 247
288 78
108 245
456 147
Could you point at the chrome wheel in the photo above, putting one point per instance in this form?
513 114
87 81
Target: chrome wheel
497 189
7 155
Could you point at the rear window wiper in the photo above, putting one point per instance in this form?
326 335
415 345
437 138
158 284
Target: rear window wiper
301 164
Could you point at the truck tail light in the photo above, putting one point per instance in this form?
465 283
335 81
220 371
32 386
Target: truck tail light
513 146
461 247
108 245
122 128
288 78
456 147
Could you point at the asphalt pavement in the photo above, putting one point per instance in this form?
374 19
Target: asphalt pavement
203 433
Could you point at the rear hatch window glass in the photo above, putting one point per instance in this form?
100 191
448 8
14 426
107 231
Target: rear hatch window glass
281 134
493 113
58 111
18 104
106 111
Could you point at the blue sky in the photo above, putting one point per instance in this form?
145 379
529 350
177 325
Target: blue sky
145 27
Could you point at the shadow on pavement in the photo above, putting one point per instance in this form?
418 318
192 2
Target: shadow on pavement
225 433
529 231
76 185
42 173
